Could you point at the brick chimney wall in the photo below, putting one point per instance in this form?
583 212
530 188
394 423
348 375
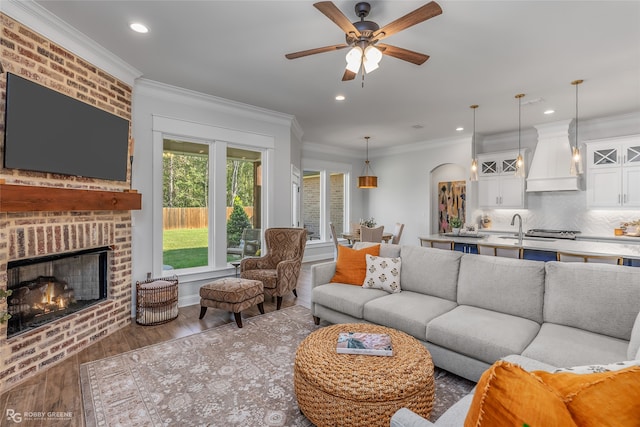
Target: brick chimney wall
32 234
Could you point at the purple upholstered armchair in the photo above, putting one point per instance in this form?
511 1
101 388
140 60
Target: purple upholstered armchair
279 269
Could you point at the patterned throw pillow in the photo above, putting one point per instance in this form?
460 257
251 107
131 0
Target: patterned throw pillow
590 369
383 273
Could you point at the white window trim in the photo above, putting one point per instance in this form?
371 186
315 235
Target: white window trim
218 138
326 168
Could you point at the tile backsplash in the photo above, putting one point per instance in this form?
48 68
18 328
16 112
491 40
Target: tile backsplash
562 210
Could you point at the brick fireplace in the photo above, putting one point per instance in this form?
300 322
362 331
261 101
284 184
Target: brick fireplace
39 232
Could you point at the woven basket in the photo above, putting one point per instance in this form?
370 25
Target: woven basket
361 390
156 300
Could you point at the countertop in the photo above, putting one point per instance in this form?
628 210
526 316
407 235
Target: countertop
627 247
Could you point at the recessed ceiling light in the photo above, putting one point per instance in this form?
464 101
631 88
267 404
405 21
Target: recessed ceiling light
459 128
139 28
549 112
340 98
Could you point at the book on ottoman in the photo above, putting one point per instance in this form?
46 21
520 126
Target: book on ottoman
364 343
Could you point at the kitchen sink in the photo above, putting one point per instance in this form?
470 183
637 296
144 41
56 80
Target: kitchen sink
539 239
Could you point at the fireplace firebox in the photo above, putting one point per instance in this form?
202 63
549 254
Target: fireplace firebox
48 288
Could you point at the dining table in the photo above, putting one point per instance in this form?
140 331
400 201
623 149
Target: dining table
353 237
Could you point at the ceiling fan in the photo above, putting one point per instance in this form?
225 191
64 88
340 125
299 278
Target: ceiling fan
364 37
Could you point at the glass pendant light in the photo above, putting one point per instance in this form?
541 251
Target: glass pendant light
576 163
520 167
367 180
474 158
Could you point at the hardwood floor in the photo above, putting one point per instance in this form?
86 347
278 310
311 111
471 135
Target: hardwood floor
58 388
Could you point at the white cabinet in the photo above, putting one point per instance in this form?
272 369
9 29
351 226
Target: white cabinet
498 186
613 172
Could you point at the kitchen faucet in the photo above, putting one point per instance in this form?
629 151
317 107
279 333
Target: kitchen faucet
513 221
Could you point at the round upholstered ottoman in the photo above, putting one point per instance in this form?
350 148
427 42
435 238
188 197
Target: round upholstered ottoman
361 390
232 294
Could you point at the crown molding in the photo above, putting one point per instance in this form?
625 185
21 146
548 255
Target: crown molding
39 19
314 147
198 99
422 146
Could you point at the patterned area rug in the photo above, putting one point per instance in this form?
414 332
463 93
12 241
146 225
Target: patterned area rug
224 376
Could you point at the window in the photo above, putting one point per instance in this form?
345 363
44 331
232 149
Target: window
190 176
325 198
244 197
185 204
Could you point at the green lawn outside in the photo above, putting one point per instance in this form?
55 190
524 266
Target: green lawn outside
186 247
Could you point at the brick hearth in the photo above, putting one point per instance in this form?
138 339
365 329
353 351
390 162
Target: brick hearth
33 234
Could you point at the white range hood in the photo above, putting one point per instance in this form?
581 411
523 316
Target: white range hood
551 163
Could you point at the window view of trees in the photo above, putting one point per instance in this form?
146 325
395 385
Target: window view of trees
186 213
186 180
244 185
240 181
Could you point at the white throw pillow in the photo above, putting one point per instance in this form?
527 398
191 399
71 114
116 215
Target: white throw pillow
383 273
591 369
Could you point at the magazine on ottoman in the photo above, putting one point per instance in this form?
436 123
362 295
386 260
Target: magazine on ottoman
364 343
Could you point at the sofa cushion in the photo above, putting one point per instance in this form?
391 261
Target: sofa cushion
407 311
351 264
583 295
505 285
561 345
383 273
634 343
508 396
430 271
345 298
599 399
387 250
481 334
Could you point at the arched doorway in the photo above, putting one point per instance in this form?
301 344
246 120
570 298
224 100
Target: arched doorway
448 195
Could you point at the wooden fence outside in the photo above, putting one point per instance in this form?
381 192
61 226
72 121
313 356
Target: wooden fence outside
192 217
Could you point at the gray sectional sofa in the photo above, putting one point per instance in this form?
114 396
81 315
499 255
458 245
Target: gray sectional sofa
470 310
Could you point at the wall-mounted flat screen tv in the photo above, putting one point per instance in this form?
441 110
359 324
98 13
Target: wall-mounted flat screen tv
47 131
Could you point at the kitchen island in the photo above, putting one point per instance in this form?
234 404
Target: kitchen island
544 249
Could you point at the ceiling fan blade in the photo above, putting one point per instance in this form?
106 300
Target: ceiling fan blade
308 52
348 75
404 54
332 12
421 14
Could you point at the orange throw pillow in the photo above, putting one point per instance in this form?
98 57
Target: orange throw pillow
599 399
351 266
508 396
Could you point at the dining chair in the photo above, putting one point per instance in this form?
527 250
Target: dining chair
498 250
397 233
437 244
334 236
371 234
601 259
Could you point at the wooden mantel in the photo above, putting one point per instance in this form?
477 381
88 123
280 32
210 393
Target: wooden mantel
26 198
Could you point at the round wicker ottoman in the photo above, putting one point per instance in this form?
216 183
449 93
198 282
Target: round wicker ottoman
361 390
232 294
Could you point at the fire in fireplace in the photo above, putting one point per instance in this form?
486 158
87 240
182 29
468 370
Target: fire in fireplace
51 287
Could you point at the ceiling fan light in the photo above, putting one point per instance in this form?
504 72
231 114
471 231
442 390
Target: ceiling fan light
369 65
353 67
372 53
354 58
